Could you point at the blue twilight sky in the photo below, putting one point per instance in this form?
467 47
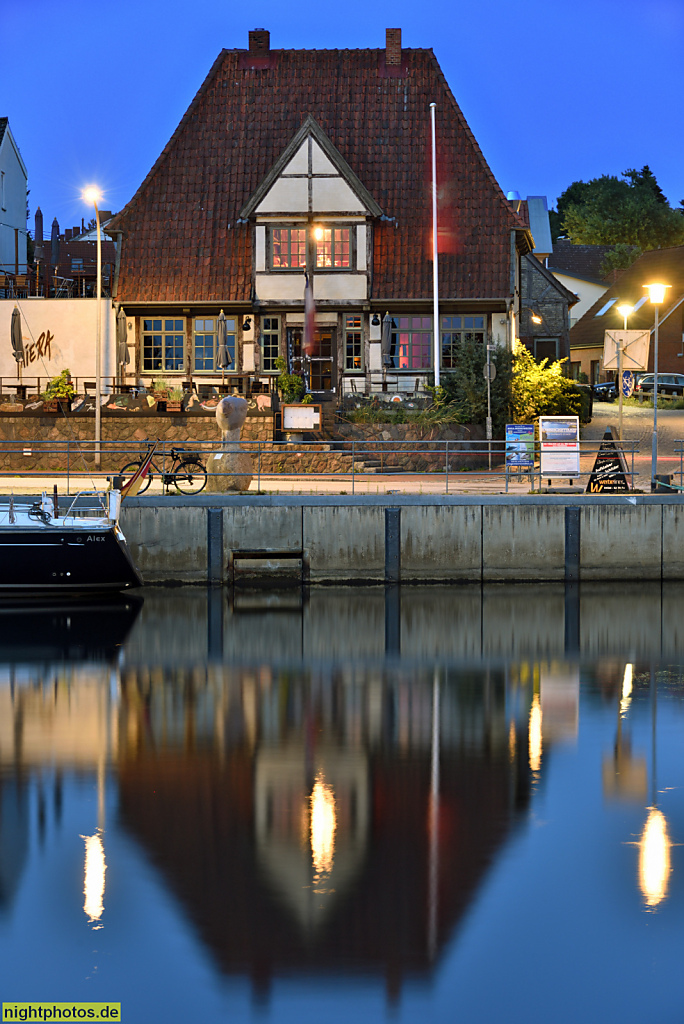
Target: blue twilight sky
554 92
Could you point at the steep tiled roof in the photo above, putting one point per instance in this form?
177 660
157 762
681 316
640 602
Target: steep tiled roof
663 265
583 261
181 236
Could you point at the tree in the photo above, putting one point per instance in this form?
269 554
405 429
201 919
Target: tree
540 389
631 210
619 258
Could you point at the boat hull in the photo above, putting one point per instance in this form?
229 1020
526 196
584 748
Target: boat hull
65 560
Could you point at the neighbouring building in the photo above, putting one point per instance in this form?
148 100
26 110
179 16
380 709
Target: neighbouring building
665 266
65 265
317 162
579 268
13 179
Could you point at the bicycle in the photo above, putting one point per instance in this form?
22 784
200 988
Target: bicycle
187 473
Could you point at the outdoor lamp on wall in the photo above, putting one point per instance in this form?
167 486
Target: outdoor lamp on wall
535 317
376 320
247 324
656 295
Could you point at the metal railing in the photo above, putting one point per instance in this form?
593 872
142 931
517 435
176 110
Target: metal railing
356 463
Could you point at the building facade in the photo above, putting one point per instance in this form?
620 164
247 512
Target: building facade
296 164
13 179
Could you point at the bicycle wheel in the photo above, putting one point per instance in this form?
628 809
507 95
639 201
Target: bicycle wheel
190 477
132 468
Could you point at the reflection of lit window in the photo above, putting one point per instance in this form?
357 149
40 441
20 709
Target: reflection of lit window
535 734
411 343
333 247
323 826
654 858
353 359
94 881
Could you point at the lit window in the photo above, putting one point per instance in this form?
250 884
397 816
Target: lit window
163 344
288 248
353 335
333 247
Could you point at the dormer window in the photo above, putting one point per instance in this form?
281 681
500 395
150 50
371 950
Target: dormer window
333 248
288 248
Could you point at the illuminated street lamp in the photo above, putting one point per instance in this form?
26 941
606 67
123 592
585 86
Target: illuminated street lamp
625 310
656 295
93 195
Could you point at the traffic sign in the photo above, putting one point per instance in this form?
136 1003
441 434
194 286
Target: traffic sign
627 383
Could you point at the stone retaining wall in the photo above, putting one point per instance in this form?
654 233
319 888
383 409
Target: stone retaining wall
123 437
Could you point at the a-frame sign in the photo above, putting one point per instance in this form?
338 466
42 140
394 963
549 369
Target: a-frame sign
609 475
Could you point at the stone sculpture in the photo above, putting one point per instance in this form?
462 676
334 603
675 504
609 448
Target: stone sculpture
231 469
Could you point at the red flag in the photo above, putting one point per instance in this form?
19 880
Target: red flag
309 347
135 483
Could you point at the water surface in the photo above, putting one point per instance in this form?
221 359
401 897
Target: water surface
423 804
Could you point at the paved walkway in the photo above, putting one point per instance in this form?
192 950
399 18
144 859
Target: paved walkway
637 426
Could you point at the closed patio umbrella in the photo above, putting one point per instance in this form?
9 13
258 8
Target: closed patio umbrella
223 357
386 342
17 340
123 356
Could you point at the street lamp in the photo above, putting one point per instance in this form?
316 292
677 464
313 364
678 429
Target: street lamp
625 310
656 295
93 195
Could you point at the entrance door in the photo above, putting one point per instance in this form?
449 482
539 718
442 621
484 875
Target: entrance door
320 368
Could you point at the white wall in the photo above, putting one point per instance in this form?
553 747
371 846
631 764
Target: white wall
13 215
65 331
588 292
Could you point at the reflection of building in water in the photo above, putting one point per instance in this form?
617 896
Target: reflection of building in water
321 823
14 832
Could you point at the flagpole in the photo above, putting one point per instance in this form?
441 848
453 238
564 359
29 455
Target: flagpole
435 276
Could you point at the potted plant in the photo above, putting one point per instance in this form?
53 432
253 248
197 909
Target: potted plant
290 385
160 389
175 400
59 393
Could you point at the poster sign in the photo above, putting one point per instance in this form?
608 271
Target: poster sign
520 444
609 475
560 450
634 345
301 417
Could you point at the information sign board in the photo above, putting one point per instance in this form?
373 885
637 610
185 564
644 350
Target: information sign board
560 450
609 475
301 417
520 444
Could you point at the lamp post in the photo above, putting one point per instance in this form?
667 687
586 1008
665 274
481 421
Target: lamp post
625 310
656 295
93 195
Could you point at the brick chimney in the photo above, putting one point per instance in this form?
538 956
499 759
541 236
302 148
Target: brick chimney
260 40
392 46
67 234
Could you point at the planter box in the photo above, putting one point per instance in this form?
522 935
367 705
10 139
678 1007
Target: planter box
173 405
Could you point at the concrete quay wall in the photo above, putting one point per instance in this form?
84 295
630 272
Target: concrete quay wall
219 539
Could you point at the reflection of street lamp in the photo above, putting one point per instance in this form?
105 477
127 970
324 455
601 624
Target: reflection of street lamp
93 195
625 310
656 295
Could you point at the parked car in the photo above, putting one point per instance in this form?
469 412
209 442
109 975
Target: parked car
668 384
606 392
